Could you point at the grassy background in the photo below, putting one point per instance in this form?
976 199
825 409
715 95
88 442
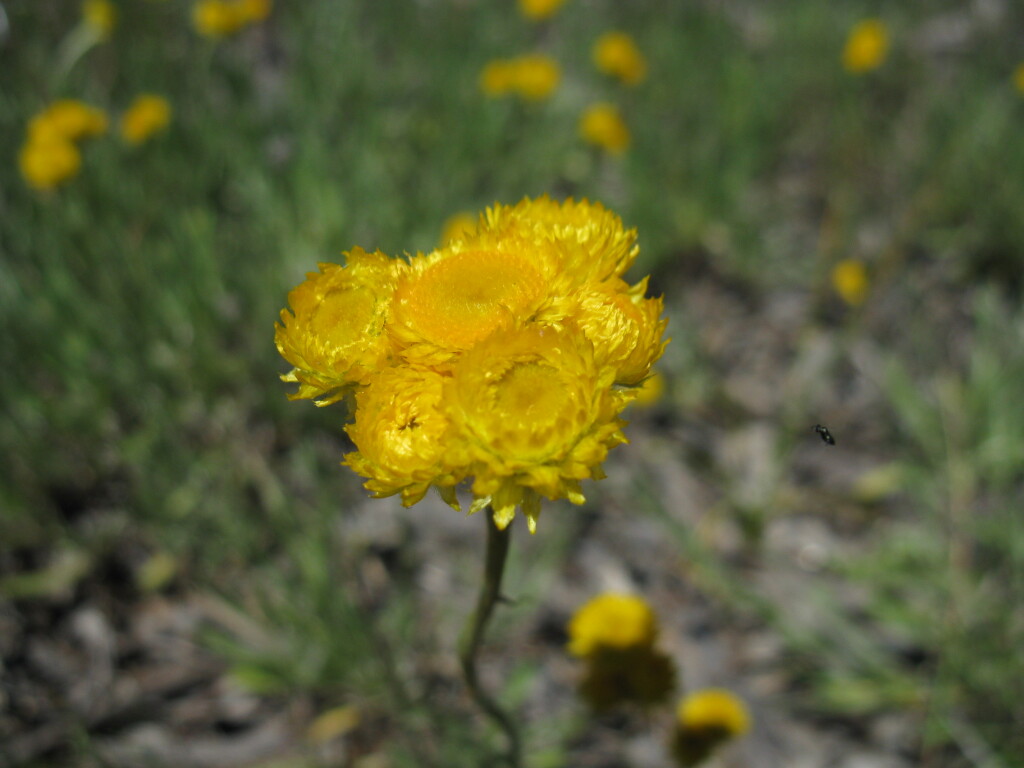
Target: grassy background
142 414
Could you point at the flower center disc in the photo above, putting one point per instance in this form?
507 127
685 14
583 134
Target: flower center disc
461 299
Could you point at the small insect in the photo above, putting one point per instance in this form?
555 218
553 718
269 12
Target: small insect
826 436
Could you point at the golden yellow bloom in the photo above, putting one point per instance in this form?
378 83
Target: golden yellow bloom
401 433
458 226
612 621
47 162
596 245
850 280
616 54
496 357
603 126
457 295
533 78
334 335
100 16
539 9
713 709
147 115
68 119
1018 79
625 327
217 18
866 46
535 416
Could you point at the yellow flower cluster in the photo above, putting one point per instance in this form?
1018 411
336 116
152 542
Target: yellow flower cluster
704 721
615 635
505 356
49 156
220 18
533 78
866 46
850 281
615 54
148 114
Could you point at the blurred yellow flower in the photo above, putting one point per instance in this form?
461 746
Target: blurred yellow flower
539 9
458 226
611 621
603 126
850 281
533 77
1018 79
100 16
616 54
68 119
146 115
866 46
495 357
46 162
219 18
704 720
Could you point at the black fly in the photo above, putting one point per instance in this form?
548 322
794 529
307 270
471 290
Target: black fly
826 436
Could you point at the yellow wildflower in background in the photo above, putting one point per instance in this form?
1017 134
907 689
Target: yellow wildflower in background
68 119
146 115
458 226
504 357
611 621
1018 79
704 721
219 18
602 125
47 162
850 281
100 16
539 9
866 46
533 78
616 54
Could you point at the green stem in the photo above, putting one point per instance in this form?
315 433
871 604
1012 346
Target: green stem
490 593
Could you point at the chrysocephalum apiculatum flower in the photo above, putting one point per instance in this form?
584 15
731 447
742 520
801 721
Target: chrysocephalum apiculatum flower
706 719
615 54
532 78
503 358
601 124
146 115
866 46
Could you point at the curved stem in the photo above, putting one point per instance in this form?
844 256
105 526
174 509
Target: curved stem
473 635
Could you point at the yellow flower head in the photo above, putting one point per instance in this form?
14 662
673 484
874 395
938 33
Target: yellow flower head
535 416
147 115
334 335
850 280
597 248
539 9
252 11
68 119
612 621
624 326
713 709
705 720
603 126
458 226
532 78
616 54
456 296
47 162
218 18
1018 79
400 432
100 16
866 46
